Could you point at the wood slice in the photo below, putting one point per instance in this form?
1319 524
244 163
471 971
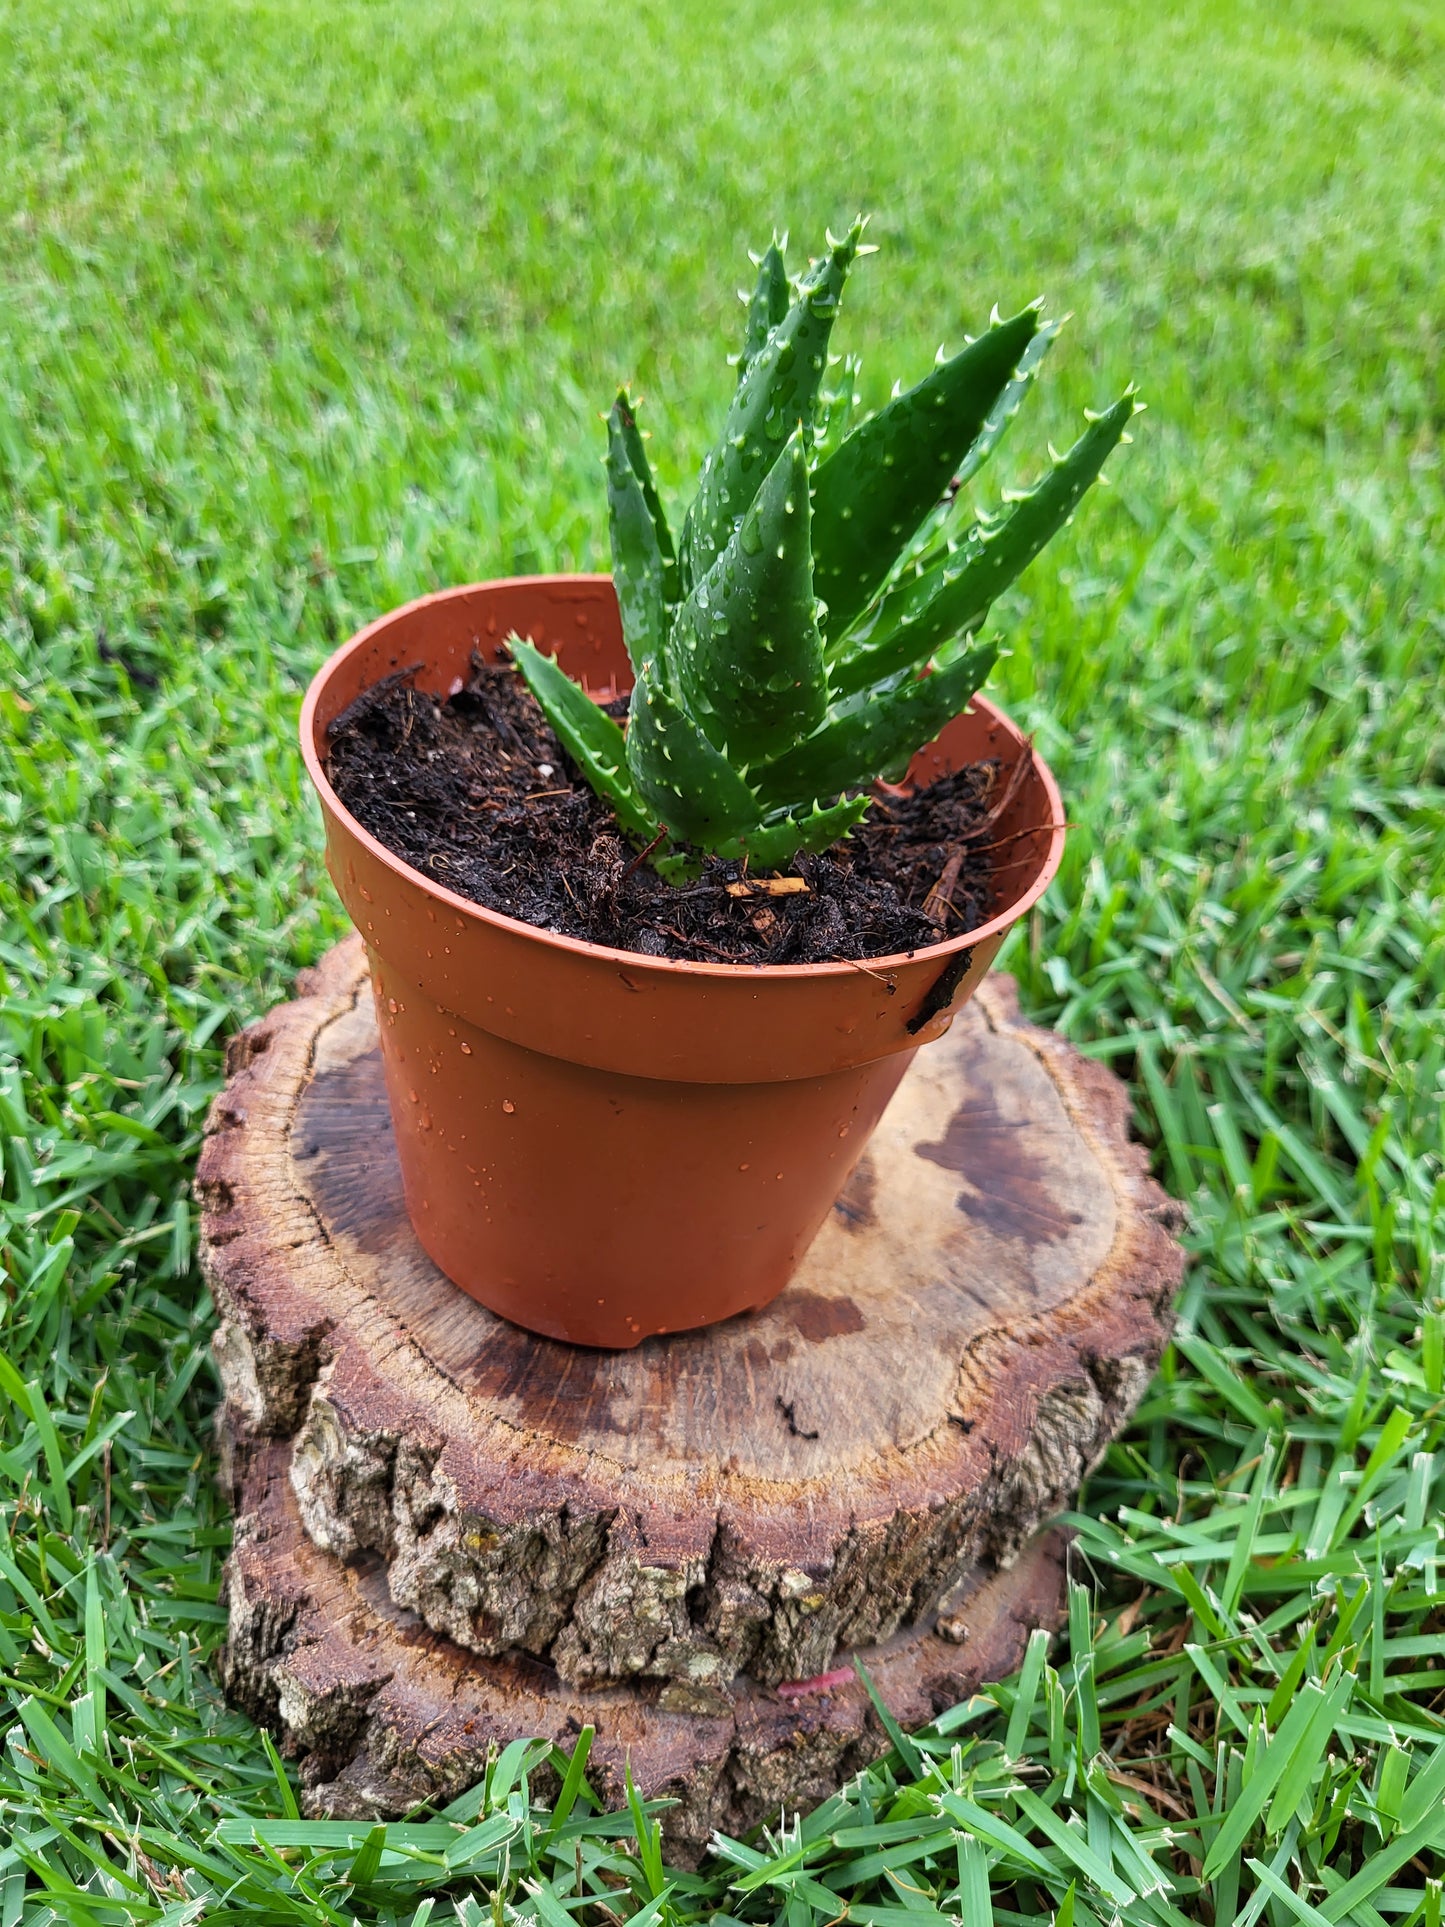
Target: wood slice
385 1715
977 1319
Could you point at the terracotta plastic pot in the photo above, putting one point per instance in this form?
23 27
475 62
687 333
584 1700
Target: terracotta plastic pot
603 1146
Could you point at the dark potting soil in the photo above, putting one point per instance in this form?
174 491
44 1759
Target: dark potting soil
475 792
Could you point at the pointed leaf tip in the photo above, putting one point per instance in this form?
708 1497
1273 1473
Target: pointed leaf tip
779 388
954 594
637 526
767 305
873 492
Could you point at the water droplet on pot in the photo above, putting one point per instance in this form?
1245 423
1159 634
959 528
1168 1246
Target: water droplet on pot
508 1106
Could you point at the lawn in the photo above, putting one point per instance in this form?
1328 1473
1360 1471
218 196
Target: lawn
304 311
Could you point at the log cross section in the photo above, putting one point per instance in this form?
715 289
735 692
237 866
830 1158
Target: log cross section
969 1330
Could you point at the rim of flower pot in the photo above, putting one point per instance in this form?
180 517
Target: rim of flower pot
996 926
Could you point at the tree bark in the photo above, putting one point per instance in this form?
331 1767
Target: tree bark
385 1716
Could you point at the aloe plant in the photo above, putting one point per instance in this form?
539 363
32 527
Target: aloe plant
818 619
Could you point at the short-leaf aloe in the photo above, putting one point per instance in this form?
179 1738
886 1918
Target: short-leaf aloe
817 620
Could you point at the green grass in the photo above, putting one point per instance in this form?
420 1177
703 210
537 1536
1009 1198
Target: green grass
304 311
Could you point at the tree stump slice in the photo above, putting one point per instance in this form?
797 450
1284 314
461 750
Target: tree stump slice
968 1331
385 1715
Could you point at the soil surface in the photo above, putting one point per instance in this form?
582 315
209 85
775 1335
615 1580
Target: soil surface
476 792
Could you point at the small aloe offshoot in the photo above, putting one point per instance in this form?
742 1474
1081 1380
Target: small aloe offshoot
818 618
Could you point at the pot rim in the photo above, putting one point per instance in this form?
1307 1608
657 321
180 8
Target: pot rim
461 906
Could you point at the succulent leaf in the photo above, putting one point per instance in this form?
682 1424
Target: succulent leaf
815 830
877 735
588 734
1009 402
874 621
980 448
955 594
910 622
874 490
746 650
693 787
636 558
767 307
635 450
779 390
